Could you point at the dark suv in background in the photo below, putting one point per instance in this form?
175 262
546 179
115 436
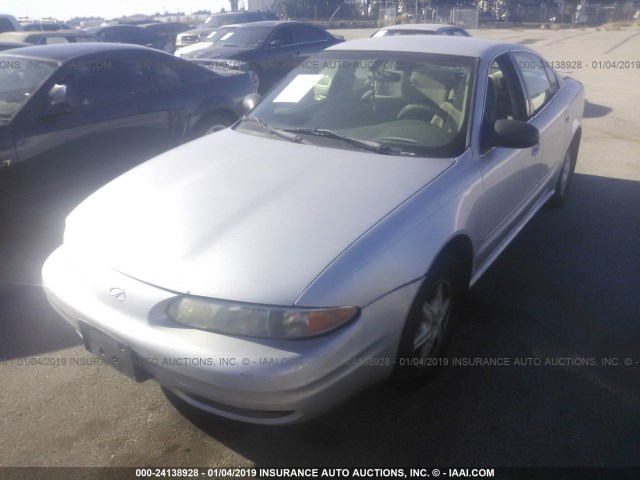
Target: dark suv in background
214 21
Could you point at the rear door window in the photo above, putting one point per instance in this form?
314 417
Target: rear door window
535 78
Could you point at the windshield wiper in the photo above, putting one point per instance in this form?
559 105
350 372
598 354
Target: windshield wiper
275 131
322 132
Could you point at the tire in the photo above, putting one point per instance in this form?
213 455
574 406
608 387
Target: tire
427 332
214 123
566 174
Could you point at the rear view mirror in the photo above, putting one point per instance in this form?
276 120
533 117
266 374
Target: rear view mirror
514 134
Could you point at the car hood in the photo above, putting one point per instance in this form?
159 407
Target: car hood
240 216
217 52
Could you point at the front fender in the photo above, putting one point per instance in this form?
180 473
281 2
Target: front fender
400 249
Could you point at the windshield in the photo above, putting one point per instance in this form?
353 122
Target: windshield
246 37
218 34
19 80
408 103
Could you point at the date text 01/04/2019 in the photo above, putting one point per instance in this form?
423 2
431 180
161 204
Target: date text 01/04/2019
579 64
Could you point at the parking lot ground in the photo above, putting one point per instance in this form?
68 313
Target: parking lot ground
566 292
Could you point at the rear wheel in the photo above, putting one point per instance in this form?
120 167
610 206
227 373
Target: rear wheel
255 79
427 331
566 174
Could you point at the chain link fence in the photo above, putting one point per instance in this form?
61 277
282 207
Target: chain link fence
498 13
387 14
466 18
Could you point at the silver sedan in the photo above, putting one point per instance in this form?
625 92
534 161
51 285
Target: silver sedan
268 271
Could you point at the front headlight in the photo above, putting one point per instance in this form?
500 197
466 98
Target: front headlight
255 320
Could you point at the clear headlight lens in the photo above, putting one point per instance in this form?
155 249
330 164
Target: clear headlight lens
257 321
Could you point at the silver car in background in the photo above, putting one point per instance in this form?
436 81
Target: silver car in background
268 271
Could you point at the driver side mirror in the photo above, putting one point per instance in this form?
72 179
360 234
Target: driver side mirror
276 43
56 109
514 134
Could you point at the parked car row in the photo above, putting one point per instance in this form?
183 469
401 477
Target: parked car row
269 50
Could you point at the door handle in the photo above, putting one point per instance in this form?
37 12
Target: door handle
567 116
535 149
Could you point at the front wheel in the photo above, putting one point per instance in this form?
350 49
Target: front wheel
427 331
564 179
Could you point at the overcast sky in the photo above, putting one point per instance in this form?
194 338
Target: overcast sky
66 9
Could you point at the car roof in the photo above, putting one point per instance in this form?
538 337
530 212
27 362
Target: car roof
270 23
227 14
68 51
427 27
461 46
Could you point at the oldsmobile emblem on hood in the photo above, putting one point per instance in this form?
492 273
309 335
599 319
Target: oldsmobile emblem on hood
119 294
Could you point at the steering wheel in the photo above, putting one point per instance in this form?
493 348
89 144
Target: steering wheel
417 111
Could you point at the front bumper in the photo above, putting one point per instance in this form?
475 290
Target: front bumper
254 380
